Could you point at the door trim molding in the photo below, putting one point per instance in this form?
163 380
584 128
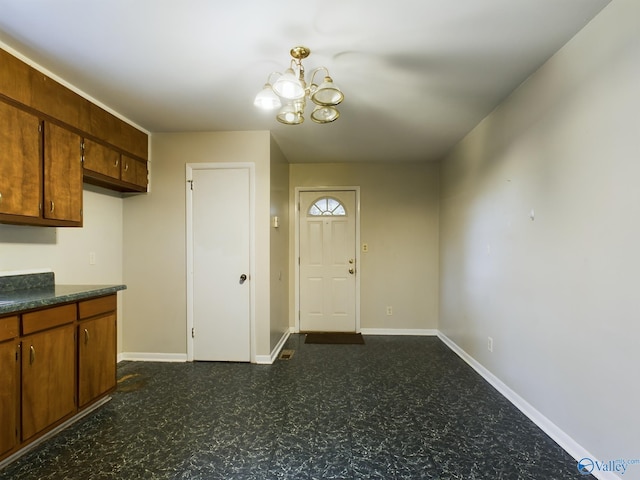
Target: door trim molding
190 167
296 262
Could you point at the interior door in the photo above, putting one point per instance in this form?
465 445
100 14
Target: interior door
327 234
221 262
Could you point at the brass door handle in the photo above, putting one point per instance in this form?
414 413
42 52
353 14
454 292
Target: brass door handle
352 270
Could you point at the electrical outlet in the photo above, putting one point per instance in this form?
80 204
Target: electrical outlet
389 310
490 344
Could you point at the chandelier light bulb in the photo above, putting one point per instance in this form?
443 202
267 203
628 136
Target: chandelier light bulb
267 99
288 86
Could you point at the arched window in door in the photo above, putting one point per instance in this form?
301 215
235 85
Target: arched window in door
326 206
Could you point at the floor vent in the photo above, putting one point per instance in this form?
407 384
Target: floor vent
286 354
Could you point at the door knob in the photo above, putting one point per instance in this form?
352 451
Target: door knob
243 278
352 271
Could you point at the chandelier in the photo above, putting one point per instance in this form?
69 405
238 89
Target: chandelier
289 93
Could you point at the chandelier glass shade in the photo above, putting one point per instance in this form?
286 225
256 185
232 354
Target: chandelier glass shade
289 93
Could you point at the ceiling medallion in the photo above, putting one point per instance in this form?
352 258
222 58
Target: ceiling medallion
289 93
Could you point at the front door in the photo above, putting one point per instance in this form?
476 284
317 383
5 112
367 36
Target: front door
327 234
220 226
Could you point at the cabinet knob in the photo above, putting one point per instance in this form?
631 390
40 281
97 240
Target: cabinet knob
53 206
116 163
32 355
126 166
86 336
0 197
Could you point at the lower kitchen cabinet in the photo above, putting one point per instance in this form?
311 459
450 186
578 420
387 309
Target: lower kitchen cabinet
96 358
9 394
48 379
54 362
96 348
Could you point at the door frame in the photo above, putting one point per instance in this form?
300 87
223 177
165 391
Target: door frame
296 262
190 167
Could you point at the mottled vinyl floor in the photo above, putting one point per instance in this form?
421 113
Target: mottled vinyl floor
394 408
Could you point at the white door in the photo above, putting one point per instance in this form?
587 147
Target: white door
220 212
327 223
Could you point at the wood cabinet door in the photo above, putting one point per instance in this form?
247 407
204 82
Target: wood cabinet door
101 159
9 395
20 162
48 378
62 174
96 358
134 171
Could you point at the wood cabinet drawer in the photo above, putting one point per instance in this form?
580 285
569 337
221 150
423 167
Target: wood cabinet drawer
9 328
48 318
96 306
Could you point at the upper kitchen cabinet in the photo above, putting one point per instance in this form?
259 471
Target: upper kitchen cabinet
20 163
36 164
40 171
108 168
62 176
134 172
100 160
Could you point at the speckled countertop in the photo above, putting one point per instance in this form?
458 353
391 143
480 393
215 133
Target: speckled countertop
25 292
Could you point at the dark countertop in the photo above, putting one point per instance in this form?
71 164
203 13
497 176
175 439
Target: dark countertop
44 294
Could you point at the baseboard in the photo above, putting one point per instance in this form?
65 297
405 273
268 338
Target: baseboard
422 332
152 357
567 443
269 359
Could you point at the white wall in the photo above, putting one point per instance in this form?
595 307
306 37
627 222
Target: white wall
154 239
558 294
399 222
66 250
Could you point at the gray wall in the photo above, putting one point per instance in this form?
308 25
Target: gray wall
558 294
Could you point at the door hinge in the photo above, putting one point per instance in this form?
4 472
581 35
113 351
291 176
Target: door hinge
190 182
193 333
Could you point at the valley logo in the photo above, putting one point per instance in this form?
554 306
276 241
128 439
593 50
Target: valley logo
587 466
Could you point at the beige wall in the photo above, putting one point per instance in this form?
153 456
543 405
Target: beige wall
558 294
399 222
66 250
154 239
279 245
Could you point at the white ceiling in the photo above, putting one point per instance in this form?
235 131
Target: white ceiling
417 75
